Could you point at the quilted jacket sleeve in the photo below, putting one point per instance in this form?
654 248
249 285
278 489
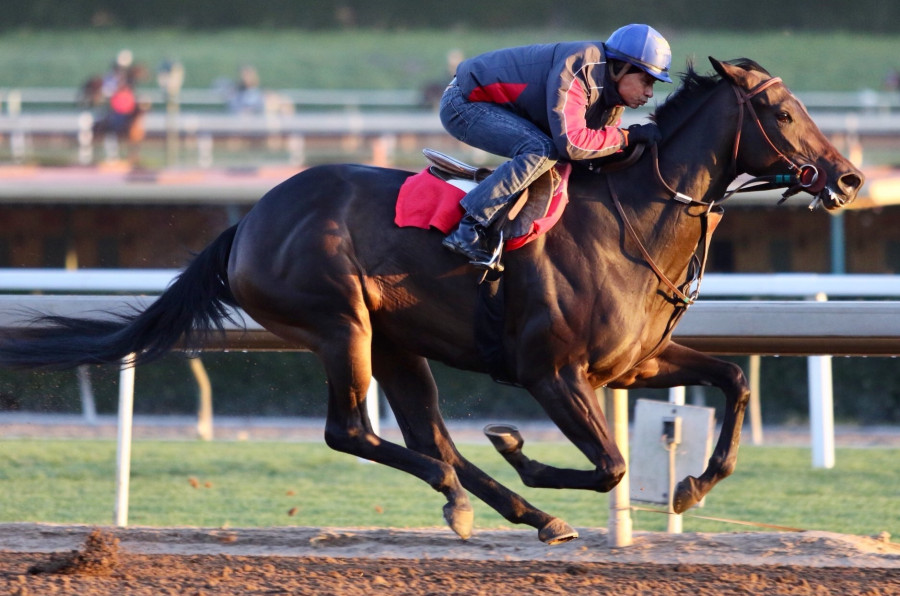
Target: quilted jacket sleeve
574 88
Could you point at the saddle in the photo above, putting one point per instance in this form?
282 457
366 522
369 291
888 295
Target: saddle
530 209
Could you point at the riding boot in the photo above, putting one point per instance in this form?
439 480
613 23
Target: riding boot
468 240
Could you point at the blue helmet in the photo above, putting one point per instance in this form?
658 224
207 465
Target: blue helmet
642 46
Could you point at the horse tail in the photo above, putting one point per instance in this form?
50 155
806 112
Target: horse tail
193 306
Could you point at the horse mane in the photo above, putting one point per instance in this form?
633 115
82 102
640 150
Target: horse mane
694 86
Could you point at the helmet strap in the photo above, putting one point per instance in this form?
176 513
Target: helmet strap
618 69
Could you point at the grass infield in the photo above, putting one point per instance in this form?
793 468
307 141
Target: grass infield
260 484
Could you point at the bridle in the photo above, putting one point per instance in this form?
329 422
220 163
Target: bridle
806 177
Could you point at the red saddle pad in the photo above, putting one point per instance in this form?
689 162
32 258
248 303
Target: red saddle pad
425 201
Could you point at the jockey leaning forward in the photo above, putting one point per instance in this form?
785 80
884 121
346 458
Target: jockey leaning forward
541 103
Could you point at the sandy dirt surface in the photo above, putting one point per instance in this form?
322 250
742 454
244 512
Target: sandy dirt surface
46 558
66 559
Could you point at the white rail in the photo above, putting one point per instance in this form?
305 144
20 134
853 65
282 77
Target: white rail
796 328
857 101
800 285
79 281
715 285
369 123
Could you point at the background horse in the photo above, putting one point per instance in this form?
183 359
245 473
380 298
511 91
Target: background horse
319 262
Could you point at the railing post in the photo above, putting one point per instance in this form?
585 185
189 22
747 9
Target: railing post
86 391
756 430
619 498
821 407
205 408
85 138
674 523
123 440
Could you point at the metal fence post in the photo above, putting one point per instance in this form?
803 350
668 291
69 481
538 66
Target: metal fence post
123 440
619 498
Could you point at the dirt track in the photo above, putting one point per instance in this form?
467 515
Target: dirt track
43 558
37 559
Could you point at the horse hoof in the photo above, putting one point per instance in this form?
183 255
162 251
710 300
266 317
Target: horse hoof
686 495
460 519
505 437
557 532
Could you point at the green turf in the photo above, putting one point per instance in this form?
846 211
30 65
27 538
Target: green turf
409 59
259 484
413 59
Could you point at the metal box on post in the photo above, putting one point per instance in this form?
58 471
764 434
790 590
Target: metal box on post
659 426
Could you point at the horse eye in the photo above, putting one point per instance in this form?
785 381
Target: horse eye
783 117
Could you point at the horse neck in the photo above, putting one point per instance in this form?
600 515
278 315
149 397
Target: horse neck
696 159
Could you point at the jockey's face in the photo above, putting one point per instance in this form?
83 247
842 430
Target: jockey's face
636 88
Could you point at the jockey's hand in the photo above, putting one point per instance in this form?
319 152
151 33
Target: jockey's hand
647 134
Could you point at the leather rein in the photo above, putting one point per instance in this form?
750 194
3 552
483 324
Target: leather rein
805 177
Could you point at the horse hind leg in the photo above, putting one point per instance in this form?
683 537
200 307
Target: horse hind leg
410 389
348 429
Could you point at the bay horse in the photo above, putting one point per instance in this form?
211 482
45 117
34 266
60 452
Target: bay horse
319 262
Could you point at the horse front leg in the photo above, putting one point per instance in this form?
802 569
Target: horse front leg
571 403
678 366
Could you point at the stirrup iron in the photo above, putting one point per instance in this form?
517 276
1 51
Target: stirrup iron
493 263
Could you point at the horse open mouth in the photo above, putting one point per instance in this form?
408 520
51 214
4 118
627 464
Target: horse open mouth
830 200
815 182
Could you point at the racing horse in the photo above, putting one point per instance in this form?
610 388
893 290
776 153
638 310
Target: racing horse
319 262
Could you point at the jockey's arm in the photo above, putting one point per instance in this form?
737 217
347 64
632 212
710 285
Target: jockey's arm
569 98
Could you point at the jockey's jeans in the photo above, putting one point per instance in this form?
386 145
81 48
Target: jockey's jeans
497 130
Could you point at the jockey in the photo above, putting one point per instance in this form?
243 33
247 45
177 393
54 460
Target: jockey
541 103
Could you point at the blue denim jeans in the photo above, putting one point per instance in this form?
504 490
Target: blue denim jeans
497 130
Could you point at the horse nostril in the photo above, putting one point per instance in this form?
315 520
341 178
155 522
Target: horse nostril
850 182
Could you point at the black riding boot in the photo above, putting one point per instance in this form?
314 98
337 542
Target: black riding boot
468 240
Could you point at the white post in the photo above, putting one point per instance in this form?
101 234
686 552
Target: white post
88 405
756 431
85 138
619 497
296 150
675 522
821 408
205 150
204 408
123 442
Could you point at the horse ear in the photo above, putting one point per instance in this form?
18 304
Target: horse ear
717 65
735 74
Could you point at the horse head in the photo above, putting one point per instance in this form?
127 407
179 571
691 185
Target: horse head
776 135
